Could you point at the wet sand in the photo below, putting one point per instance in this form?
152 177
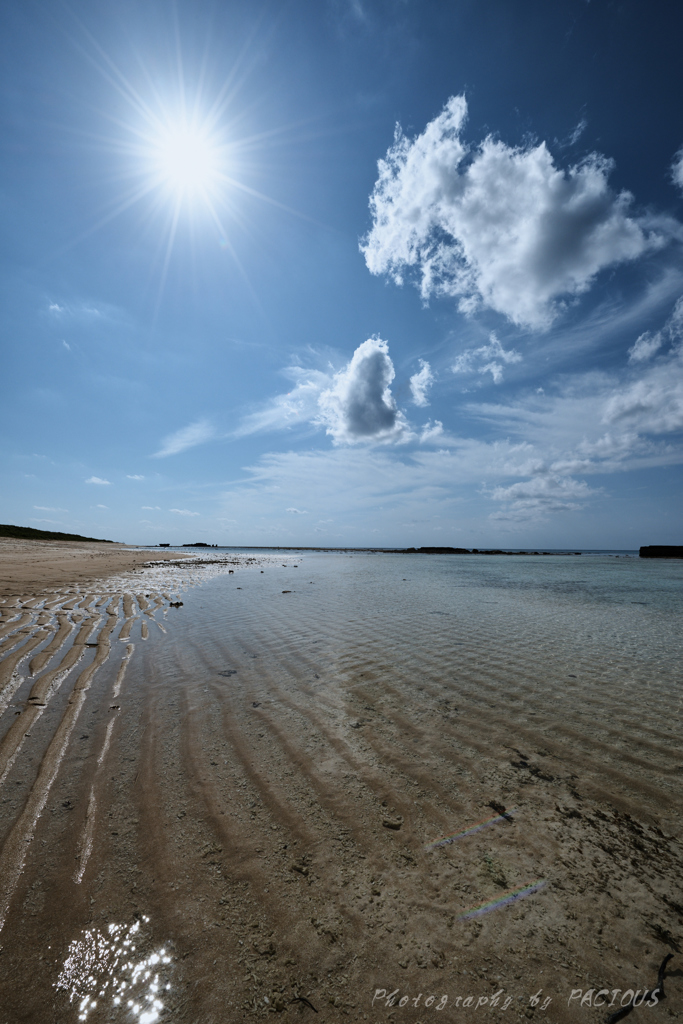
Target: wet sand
253 784
29 566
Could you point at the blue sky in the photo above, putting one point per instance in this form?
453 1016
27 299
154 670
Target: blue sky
352 272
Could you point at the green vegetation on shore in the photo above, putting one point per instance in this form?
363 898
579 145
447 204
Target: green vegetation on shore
28 533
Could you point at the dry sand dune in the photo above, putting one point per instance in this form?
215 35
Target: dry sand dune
253 807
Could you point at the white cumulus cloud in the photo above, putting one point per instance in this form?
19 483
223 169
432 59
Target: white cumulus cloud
419 383
497 225
486 359
98 480
297 511
359 406
187 437
183 512
134 476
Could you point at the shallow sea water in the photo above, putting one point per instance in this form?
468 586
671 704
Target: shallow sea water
270 784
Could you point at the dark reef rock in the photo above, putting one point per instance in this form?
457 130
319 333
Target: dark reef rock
662 551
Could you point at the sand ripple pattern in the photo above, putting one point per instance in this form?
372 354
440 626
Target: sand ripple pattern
264 778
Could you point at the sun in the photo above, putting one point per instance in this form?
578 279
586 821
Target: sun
187 161
180 154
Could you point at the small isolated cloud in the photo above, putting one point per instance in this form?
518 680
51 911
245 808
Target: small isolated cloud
78 311
645 347
53 522
486 359
100 506
187 437
183 512
48 508
359 405
677 169
297 511
431 431
98 480
419 383
498 226
134 476
540 496
151 508
66 345
578 131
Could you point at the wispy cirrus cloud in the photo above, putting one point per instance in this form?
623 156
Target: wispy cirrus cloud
540 496
645 346
98 480
298 406
489 358
187 437
677 169
183 512
79 311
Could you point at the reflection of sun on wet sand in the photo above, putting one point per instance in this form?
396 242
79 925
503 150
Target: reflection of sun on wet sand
306 801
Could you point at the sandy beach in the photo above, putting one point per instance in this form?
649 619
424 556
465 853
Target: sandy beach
280 810
27 567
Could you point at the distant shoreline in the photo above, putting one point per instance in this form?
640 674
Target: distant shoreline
30 533
399 551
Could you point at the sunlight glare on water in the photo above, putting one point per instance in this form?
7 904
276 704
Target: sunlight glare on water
102 968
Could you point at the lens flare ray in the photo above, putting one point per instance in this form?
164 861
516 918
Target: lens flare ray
503 901
470 831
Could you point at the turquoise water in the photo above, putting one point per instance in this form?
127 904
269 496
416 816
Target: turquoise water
617 620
